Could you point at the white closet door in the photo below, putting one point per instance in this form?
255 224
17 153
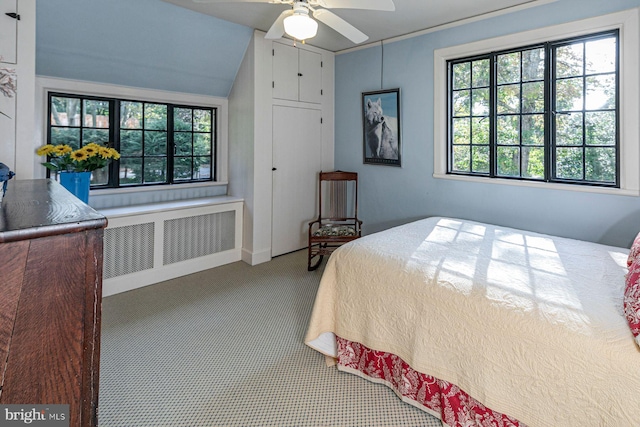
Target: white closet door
285 72
297 159
310 66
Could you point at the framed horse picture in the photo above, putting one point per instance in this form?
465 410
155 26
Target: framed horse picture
381 127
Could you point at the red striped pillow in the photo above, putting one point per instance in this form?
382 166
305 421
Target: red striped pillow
632 299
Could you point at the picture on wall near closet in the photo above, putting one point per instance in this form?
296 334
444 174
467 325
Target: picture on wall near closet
381 127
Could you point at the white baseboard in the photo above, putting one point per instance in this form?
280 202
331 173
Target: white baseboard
255 258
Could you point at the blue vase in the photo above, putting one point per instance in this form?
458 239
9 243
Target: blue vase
77 183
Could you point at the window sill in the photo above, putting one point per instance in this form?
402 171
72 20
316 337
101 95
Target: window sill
148 208
542 185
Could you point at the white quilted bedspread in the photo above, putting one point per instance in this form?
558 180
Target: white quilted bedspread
530 325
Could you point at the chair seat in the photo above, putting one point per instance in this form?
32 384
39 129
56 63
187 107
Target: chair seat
335 230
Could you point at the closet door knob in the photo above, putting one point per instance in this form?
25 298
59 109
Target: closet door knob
13 15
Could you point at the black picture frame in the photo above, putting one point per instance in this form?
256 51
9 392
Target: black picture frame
381 127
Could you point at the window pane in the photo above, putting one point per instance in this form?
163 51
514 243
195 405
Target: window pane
509 68
202 120
131 143
461 131
181 168
182 141
569 60
533 129
508 130
480 158
509 99
533 97
96 114
601 128
69 136
601 56
601 92
569 129
155 143
481 70
65 111
131 115
480 130
461 158
509 161
201 167
600 164
100 176
155 117
202 144
533 64
462 75
130 171
461 103
533 162
182 119
480 102
569 95
155 170
98 136
569 163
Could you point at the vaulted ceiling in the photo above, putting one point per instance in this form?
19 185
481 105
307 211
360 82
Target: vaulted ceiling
410 16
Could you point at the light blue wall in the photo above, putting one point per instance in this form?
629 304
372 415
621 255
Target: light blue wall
139 43
390 196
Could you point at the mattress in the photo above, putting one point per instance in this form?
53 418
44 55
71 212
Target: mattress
528 324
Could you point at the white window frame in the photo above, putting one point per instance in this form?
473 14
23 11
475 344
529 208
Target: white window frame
629 88
45 85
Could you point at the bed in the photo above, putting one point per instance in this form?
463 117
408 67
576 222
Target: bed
484 325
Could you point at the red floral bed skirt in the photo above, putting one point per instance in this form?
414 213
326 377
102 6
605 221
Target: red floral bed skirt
442 399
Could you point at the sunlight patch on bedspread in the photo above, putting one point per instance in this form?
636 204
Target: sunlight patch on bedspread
522 272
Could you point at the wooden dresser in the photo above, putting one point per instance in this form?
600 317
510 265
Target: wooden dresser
50 298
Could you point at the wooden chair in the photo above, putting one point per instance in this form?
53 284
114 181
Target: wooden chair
337 221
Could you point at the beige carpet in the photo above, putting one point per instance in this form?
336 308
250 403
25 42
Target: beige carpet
224 347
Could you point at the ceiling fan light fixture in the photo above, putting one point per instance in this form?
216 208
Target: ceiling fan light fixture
300 26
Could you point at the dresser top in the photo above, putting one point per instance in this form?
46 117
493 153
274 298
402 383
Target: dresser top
41 207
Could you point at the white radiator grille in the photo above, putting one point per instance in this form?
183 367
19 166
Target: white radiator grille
147 244
196 236
128 249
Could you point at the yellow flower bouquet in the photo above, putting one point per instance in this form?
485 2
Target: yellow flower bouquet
63 158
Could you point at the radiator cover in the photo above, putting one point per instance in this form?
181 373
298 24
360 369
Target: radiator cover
148 244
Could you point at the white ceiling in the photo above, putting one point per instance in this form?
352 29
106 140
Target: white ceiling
410 16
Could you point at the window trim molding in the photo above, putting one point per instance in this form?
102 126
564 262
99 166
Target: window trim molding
627 23
44 85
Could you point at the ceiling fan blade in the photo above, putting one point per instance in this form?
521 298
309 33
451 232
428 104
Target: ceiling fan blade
340 25
387 5
239 1
277 29
230 1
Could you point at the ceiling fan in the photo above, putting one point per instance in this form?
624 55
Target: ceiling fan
297 23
